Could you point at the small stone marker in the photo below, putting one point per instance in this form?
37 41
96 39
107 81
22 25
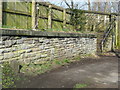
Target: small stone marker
15 66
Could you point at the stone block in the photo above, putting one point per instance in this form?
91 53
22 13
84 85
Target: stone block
41 47
8 55
2 51
5 50
16 54
27 61
2 46
46 47
1 57
9 43
41 40
44 55
21 51
47 41
25 46
20 41
29 50
16 38
27 55
38 56
15 65
5 38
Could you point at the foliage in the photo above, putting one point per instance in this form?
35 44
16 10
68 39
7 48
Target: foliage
62 62
78 19
5 26
8 76
0 76
79 86
34 69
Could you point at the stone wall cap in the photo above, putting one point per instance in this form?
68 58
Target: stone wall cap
32 33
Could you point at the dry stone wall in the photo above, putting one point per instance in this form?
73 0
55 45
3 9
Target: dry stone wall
26 49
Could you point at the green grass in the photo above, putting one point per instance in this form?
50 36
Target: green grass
8 76
5 26
35 69
77 86
62 62
0 76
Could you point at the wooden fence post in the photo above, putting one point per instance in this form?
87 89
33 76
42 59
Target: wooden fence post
64 18
105 20
118 38
33 14
1 13
98 18
118 32
50 17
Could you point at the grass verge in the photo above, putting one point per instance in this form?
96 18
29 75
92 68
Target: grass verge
9 78
77 86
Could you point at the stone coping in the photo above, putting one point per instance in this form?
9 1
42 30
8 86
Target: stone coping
33 33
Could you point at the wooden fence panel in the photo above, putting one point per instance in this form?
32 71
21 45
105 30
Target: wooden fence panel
57 14
43 11
11 19
42 23
20 16
57 26
68 16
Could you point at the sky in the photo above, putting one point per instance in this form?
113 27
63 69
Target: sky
57 1
82 3
60 3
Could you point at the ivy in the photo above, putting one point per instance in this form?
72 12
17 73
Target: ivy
78 19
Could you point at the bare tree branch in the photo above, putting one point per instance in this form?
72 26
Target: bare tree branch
67 3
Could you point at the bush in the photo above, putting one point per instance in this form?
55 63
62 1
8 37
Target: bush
8 76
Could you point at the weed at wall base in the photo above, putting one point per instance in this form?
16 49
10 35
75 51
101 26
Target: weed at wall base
8 76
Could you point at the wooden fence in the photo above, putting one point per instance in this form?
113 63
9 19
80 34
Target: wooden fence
42 15
26 15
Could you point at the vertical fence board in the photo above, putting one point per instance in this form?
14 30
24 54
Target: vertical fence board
64 18
42 23
33 14
50 17
118 32
57 26
57 14
43 11
1 16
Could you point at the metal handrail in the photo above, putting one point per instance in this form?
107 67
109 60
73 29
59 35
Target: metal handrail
106 34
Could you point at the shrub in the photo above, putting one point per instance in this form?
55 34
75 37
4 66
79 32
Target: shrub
8 76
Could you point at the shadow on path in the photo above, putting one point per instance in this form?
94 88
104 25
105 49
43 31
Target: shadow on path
95 73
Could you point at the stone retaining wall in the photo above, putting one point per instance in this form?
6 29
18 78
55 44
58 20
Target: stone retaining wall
28 49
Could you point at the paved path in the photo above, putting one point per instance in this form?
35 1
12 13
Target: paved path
95 73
